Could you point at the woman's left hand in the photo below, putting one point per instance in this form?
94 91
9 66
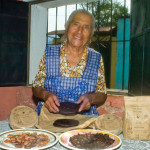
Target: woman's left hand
86 100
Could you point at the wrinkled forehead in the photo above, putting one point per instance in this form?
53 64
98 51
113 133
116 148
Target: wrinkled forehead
82 17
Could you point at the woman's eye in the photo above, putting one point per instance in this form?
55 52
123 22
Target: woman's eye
87 27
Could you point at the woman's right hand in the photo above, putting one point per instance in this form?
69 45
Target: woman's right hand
51 102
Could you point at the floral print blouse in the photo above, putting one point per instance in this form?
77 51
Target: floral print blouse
66 70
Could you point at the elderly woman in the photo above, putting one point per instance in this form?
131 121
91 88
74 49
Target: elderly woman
72 72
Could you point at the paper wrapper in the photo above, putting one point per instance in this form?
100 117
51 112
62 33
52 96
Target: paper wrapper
109 123
137 118
22 117
46 120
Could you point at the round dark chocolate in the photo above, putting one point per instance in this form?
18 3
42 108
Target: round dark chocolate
68 108
64 123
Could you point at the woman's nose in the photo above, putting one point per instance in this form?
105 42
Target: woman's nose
80 29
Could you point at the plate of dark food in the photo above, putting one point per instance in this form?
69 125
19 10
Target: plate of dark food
23 139
68 108
89 139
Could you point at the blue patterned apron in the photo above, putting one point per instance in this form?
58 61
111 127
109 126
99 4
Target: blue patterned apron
70 88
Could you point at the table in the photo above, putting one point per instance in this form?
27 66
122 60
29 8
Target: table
126 144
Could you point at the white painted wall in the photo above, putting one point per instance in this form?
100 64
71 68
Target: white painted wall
38 30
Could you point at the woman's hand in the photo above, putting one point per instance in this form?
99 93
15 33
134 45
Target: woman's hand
86 100
51 102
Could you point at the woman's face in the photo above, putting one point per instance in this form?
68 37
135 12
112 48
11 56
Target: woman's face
79 30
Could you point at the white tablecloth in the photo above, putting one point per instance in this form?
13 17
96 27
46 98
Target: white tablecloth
126 144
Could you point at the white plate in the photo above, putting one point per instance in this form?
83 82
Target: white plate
53 139
65 137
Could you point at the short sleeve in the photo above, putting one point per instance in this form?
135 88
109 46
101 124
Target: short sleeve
40 76
101 83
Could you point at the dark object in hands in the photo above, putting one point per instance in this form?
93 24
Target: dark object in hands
64 123
68 108
91 141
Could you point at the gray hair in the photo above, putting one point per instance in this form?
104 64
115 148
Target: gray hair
72 16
